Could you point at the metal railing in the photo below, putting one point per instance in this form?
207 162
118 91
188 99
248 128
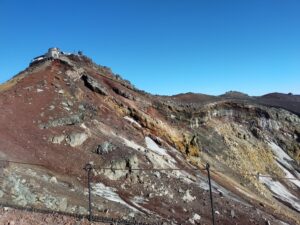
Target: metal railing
89 167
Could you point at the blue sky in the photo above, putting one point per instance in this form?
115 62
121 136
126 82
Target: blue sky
164 46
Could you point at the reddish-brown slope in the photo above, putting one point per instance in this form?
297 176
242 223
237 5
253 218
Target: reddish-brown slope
25 111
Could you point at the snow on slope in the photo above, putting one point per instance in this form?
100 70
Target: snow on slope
132 120
281 192
290 176
281 156
160 161
154 147
132 144
109 194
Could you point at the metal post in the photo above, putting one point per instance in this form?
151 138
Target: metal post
210 193
88 168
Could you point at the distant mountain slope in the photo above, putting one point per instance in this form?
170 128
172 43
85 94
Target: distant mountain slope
287 101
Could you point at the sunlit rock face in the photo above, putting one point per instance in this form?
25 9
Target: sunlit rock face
60 114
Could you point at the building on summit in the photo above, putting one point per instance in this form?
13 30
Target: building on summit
53 53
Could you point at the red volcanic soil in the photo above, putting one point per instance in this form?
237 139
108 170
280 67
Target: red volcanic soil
21 110
10 216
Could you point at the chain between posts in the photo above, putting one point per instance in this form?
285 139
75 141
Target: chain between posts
88 167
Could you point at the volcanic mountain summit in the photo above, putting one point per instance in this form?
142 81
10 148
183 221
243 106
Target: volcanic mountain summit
148 153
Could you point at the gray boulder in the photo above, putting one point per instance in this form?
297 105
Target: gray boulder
71 120
105 148
76 139
93 84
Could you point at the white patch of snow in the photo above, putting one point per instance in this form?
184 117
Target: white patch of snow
132 144
284 223
154 147
137 200
159 161
109 193
281 156
132 121
39 90
290 176
281 192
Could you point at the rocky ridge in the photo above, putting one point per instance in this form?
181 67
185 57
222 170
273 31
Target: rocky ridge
61 114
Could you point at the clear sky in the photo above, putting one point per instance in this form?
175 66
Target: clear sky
164 46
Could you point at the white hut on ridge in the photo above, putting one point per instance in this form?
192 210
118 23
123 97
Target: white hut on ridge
53 53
